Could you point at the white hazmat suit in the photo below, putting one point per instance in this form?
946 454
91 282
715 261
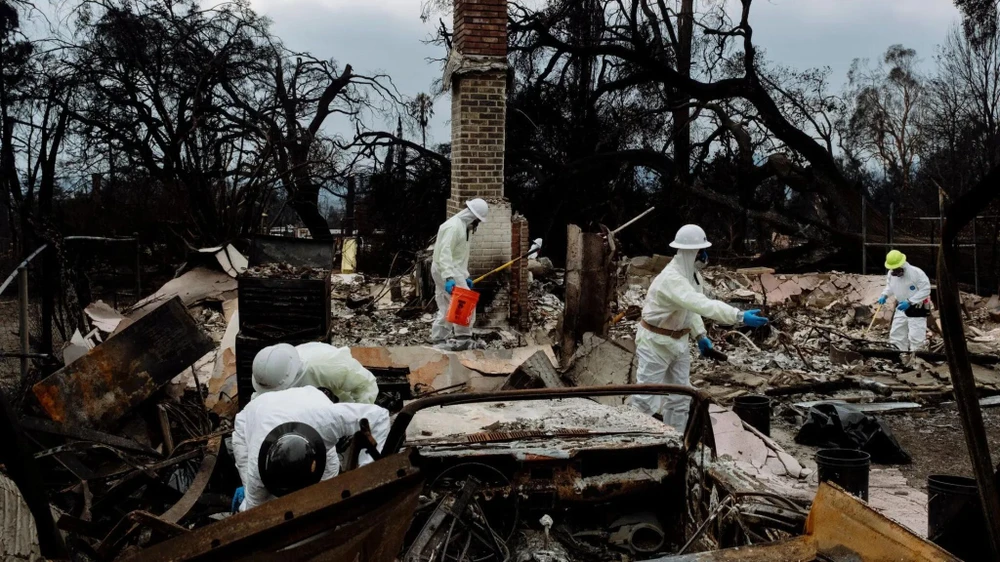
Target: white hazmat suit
451 261
675 301
909 327
304 405
326 366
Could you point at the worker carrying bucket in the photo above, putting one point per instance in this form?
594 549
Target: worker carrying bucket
450 271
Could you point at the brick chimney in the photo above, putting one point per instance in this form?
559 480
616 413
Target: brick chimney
478 116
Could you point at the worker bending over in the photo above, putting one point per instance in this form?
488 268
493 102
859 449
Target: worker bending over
286 440
911 288
450 268
672 312
321 365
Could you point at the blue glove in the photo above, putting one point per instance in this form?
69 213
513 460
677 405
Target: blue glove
469 282
751 319
449 286
704 344
903 306
238 499
881 300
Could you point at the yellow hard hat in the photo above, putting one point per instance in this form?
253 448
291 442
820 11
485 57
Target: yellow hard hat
895 259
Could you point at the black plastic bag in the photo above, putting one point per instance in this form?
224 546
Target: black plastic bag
843 426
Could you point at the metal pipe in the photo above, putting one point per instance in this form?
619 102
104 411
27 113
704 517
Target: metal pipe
975 254
22 284
864 235
138 269
13 275
397 434
629 223
96 239
892 228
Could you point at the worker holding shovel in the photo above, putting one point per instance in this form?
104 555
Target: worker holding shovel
671 316
450 268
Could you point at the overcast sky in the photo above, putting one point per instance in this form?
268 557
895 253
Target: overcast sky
387 35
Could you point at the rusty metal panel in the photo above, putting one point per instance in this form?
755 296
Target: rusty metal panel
118 375
337 517
839 522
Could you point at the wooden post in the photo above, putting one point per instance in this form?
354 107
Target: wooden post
588 287
573 285
22 285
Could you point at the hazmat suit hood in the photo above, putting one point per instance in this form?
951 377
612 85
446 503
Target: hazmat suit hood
466 216
685 264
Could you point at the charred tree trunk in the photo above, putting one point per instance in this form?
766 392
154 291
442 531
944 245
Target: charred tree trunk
682 115
305 202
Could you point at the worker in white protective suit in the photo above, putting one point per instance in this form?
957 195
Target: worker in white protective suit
321 365
450 267
911 288
286 440
672 314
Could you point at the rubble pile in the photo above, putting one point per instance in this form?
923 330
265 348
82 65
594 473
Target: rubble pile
285 271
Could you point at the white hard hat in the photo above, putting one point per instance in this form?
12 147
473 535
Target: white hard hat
478 207
276 367
690 237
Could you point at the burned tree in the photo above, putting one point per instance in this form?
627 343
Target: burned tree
641 49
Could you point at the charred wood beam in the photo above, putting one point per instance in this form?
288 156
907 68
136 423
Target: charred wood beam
84 434
976 358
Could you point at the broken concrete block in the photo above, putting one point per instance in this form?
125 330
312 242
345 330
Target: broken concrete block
536 372
600 362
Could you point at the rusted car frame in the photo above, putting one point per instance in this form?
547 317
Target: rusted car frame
694 432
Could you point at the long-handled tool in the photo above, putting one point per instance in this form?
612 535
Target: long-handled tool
536 247
874 318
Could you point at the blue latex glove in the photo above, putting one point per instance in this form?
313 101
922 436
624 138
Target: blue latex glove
238 499
751 319
881 300
704 344
469 282
903 306
449 286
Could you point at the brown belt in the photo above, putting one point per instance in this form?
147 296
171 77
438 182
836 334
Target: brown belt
676 334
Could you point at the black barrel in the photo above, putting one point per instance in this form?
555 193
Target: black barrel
955 519
755 411
847 468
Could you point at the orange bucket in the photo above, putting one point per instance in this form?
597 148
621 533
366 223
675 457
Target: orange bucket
463 304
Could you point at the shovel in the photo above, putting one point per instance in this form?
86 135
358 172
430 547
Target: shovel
874 317
536 247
